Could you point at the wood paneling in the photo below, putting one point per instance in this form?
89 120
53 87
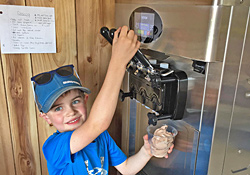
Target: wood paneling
78 42
181 2
21 110
7 158
93 49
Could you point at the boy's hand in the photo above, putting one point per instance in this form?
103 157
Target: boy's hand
124 46
136 162
147 146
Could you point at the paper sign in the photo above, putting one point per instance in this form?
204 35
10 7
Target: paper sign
25 29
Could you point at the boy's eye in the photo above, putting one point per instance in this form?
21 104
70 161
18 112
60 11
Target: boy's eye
75 102
58 108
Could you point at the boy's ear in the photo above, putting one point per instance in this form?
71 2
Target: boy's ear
86 96
44 115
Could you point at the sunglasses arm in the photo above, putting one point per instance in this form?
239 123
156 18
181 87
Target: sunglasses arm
33 90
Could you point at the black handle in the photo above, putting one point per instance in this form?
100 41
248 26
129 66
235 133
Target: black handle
109 35
112 33
141 57
153 118
138 55
123 95
105 33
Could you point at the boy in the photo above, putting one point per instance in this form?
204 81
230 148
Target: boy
81 144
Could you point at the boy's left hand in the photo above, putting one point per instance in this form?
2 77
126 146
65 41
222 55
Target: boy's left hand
147 146
124 46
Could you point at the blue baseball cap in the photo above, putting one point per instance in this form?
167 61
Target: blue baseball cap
46 94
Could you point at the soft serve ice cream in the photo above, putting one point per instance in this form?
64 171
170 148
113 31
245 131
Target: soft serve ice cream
161 141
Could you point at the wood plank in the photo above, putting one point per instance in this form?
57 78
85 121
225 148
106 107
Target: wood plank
23 124
93 50
88 53
66 54
21 110
180 2
6 148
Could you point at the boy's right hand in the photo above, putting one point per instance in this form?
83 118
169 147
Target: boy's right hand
124 46
148 149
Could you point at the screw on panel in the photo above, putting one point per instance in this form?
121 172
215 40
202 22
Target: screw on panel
248 80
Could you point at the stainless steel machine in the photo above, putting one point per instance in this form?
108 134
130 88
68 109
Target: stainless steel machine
193 72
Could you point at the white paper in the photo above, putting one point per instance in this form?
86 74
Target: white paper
25 29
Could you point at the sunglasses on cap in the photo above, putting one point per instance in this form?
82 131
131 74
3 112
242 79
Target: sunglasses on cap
48 84
46 77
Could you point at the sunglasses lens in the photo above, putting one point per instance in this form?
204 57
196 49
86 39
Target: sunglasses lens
47 76
43 78
65 71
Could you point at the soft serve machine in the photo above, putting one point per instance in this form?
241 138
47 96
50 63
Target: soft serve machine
193 72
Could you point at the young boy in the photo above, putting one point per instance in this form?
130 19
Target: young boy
81 144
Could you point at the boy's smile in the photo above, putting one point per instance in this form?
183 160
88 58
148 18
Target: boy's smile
74 121
68 112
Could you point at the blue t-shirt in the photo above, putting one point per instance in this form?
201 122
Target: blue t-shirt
93 159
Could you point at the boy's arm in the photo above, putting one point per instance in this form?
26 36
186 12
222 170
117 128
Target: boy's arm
136 162
102 111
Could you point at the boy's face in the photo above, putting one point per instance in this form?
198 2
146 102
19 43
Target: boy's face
68 112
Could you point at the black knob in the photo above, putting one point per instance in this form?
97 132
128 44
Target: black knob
123 95
152 119
105 33
112 33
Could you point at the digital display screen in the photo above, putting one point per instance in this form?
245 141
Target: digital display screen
144 24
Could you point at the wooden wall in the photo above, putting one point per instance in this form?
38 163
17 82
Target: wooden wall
173 2
78 42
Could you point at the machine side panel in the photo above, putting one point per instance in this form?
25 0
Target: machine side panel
238 149
226 101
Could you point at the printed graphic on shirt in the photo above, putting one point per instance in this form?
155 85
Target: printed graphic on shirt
96 170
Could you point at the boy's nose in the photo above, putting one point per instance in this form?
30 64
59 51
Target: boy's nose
70 111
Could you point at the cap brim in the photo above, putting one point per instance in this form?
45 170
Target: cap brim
52 98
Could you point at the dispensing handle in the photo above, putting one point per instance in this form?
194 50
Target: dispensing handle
123 95
141 57
138 55
153 118
112 33
105 33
